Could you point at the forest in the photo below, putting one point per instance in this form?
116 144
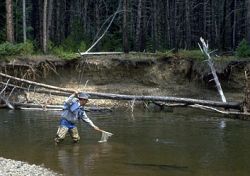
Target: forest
135 25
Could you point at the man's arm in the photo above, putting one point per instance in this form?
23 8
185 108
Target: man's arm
85 118
69 99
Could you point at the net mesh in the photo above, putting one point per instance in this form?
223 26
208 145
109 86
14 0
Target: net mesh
105 136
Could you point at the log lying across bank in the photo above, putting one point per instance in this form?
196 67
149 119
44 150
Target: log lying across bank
32 106
96 95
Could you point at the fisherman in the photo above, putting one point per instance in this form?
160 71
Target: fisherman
73 111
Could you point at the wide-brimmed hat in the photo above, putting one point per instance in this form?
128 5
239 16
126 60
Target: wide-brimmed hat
83 96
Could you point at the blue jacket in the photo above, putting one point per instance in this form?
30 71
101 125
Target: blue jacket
72 112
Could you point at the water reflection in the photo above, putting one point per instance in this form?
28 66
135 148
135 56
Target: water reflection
68 160
222 124
78 160
179 143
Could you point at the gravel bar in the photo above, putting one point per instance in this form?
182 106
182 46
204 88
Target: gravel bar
10 167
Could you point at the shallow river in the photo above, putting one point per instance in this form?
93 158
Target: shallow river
185 142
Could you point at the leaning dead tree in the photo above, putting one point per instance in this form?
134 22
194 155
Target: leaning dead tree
87 52
205 50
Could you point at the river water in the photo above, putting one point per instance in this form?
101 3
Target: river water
183 142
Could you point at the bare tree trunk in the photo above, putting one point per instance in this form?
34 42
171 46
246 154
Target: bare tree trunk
85 16
168 38
248 21
40 12
205 18
223 26
45 26
125 27
234 24
67 17
175 26
49 22
24 21
154 27
215 26
97 19
58 21
9 21
144 27
138 26
188 25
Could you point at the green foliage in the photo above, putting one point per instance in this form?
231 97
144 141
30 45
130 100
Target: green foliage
26 48
243 50
193 54
76 40
112 42
71 44
9 49
168 53
68 48
60 52
82 46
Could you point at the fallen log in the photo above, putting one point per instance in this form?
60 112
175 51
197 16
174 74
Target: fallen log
100 53
96 95
233 105
42 91
37 84
32 106
231 114
236 114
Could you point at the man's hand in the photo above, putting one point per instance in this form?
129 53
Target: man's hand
76 92
98 129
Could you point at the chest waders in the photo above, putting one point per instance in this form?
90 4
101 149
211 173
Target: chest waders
65 123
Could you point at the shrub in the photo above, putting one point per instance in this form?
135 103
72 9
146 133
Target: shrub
71 44
60 52
26 48
243 50
83 46
7 49
111 43
10 49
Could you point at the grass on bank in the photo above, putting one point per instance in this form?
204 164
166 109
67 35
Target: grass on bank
68 50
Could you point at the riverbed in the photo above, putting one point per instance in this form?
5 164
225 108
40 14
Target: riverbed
182 142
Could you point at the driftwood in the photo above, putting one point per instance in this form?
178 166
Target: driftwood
43 91
31 106
100 53
204 50
37 84
233 113
189 101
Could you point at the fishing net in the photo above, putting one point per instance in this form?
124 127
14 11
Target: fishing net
105 136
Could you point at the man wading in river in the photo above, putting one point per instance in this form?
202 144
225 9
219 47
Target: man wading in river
73 111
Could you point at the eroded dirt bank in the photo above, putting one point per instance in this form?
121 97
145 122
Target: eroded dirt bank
138 74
